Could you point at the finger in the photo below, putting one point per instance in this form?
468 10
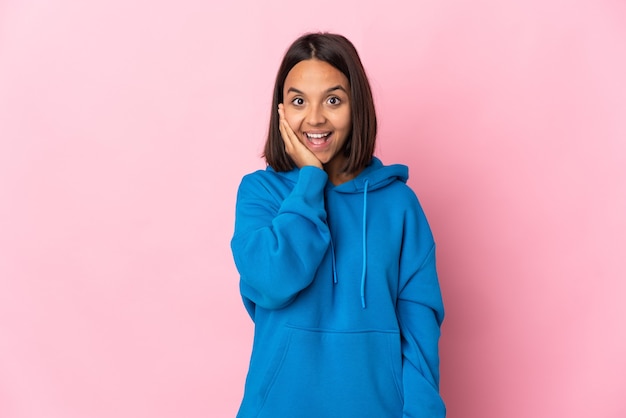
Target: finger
289 136
283 128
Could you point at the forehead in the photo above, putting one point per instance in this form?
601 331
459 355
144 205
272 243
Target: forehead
314 74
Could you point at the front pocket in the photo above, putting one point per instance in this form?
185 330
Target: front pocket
325 373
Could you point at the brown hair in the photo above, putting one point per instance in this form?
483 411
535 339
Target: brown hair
339 52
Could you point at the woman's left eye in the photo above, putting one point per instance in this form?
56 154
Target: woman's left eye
334 100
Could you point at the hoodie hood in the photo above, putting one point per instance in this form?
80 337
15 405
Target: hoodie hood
375 174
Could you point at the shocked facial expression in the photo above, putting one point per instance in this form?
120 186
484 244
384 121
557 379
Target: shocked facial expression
317 108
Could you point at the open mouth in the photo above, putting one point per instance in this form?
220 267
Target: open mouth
317 138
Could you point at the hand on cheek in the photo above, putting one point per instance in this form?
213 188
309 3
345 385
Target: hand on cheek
298 152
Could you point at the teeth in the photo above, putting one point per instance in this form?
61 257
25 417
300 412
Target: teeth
318 136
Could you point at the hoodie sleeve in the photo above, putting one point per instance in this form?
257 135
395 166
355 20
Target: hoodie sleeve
420 314
278 246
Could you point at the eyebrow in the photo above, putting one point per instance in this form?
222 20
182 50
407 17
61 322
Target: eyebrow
337 87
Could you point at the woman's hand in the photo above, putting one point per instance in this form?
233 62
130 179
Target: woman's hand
298 152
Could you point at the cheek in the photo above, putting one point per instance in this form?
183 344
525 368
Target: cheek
293 119
343 121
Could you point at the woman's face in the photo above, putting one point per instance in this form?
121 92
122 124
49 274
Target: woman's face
317 107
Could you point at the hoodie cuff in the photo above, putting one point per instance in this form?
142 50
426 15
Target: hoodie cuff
311 181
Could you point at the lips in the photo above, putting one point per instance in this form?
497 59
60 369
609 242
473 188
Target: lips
317 138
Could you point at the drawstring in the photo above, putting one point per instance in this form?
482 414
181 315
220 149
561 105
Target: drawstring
332 251
364 267
364 244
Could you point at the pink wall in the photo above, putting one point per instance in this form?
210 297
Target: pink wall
125 127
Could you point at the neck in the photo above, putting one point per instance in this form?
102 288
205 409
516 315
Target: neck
336 175
340 178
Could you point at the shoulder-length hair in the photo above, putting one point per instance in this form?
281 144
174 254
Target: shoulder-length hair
339 52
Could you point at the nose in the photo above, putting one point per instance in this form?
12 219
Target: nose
315 115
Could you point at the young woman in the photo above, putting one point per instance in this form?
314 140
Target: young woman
336 258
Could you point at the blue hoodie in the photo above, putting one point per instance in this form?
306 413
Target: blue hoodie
341 284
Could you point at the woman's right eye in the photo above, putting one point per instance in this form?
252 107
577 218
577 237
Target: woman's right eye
298 101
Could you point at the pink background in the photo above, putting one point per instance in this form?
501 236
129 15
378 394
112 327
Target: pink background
125 127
